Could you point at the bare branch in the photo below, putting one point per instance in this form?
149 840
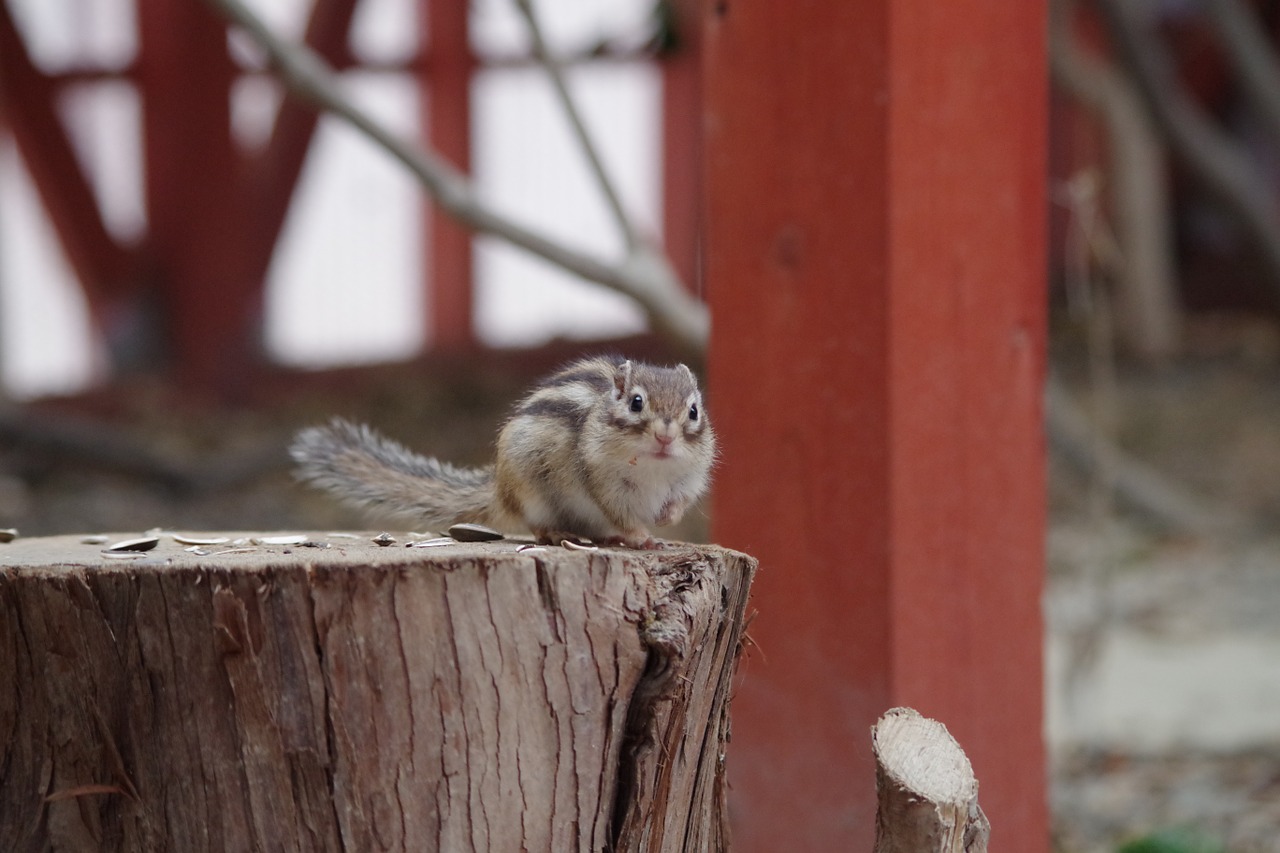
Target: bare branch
1252 57
1211 155
555 71
645 275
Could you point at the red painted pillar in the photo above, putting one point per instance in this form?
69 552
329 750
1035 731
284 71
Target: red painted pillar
875 266
681 65
446 90
202 277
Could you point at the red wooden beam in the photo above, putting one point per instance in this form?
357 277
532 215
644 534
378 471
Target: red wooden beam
271 175
104 267
446 94
681 64
210 298
875 265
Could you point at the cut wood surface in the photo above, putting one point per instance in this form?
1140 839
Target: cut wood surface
339 695
928 795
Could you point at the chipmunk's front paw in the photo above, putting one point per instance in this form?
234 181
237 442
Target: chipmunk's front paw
545 536
672 511
639 540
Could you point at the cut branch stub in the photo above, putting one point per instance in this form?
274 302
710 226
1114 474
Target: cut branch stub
927 793
467 697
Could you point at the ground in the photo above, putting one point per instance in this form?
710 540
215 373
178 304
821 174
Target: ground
1164 644
1162 686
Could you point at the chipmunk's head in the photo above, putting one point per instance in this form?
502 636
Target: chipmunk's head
659 412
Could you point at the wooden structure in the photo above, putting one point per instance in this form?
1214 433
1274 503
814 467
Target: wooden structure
357 697
216 208
875 267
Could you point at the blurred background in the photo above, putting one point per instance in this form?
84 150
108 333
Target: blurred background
192 266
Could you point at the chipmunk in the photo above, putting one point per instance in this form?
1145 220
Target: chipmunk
599 450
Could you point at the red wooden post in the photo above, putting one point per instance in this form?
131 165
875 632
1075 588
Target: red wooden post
446 91
196 230
682 142
875 265
270 176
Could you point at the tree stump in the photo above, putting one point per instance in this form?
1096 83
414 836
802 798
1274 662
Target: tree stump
339 695
927 793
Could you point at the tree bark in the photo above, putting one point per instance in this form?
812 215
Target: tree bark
357 697
928 796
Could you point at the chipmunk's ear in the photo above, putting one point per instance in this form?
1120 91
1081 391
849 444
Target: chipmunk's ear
622 379
684 369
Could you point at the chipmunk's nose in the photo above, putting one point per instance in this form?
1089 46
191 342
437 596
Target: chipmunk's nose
664 439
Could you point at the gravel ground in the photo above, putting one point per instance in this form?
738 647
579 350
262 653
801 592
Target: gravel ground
1101 799
1205 610
1184 733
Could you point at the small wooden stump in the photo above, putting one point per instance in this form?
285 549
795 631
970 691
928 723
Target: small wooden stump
928 795
357 697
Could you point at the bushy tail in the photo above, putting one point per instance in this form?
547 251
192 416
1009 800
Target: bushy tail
367 470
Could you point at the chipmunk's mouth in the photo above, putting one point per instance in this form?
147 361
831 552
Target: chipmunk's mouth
655 453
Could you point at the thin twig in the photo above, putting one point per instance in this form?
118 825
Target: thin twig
555 72
1090 257
645 275
1143 267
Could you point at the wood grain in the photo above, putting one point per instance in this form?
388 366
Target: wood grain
468 697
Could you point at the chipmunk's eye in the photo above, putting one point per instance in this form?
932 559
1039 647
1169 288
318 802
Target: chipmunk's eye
693 412
637 403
